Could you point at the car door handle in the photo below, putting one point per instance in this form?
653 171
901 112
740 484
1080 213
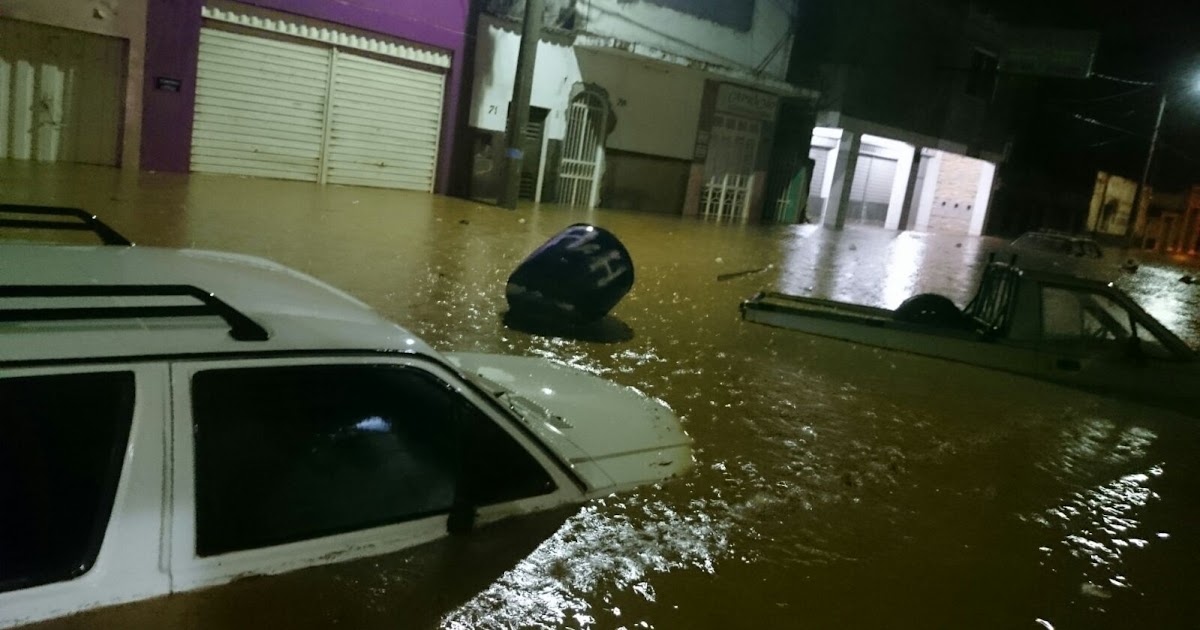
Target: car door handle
1072 365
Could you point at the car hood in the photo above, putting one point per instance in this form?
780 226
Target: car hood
612 436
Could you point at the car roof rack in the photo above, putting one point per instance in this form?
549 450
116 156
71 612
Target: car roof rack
241 327
87 221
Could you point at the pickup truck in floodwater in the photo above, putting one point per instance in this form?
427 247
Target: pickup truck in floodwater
1076 332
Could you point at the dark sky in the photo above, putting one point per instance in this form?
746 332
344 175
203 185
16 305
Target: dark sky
1146 40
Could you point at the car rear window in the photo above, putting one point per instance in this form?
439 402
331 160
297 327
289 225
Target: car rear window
294 453
62 441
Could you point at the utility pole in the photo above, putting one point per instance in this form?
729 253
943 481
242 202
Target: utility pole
518 109
1141 188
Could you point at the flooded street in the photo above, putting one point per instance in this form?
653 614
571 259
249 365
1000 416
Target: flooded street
834 484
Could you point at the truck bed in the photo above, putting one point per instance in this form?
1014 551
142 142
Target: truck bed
844 320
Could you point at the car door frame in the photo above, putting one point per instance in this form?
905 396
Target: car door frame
191 571
1144 377
132 562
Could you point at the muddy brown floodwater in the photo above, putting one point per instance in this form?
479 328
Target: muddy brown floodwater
835 485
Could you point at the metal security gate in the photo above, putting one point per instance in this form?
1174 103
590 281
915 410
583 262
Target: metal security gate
871 190
386 119
260 107
583 151
60 94
729 168
269 107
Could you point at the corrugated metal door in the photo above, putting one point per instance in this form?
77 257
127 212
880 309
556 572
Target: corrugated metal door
260 106
60 94
873 179
385 124
871 190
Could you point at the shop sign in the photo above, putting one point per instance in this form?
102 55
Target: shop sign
740 101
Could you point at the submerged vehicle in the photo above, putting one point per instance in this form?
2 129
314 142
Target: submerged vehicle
178 419
1068 330
1055 242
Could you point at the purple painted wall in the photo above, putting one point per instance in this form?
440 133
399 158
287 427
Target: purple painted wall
172 44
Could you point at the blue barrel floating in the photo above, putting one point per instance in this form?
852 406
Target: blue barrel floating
577 276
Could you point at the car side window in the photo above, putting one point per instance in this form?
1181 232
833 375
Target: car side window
1093 319
1062 315
284 454
62 442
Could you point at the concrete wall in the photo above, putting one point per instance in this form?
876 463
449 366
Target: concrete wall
172 47
679 33
1112 199
125 19
655 116
557 70
955 195
657 106
645 183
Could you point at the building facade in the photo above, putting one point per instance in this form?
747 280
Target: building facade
654 105
916 109
362 92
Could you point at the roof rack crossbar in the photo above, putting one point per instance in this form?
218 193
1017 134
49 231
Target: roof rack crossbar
241 327
87 221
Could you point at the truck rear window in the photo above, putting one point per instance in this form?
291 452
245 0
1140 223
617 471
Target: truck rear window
62 441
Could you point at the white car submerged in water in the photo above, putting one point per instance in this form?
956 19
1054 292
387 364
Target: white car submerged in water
174 419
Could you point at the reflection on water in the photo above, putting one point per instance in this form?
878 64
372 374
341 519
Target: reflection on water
835 485
576 576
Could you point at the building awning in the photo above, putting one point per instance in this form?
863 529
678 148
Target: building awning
645 53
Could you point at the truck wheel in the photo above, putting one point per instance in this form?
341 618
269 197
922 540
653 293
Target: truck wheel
929 309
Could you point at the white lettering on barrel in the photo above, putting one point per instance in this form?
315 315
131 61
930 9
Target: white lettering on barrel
605 262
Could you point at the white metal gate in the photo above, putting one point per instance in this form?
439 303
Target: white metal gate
729 168
60 94
583 151
272 108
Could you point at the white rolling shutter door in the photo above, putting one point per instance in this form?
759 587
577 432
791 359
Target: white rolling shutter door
260 106
385 124
873 178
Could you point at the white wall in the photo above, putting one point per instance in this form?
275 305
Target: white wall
495 66
688 36
983 198
657 106
932 159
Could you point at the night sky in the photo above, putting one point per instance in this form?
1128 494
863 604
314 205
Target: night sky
1146 41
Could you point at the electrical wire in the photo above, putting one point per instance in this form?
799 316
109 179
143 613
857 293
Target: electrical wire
1109 77
1099 99
1093 121
1107 142
774 51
